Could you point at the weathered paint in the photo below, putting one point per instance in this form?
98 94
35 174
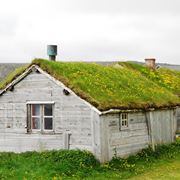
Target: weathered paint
20 142
178 121
123 142
70 114
162 126
145 128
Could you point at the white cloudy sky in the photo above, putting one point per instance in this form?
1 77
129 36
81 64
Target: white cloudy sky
93 30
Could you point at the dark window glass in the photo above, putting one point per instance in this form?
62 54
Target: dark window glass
48 123
122 123
124 116
48 110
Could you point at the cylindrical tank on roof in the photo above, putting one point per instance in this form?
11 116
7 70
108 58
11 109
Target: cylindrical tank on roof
52 52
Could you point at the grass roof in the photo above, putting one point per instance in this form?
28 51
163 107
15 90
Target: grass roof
108 87
12 75
170 79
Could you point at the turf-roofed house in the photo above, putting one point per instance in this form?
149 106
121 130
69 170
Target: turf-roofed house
110 110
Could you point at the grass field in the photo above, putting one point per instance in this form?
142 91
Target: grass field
164 169
160 170
164 163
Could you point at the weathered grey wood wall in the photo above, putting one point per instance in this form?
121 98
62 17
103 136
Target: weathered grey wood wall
162 126
145 128
70 115
178 120
123 142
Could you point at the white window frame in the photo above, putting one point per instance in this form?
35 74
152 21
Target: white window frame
42 116
124 123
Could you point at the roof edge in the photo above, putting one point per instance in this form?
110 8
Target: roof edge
59 83
16 80
65 87
111 111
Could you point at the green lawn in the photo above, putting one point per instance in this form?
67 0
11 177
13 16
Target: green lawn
161 169
164 163
165 169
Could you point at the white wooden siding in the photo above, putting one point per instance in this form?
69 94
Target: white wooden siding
70 114
162 126
145 128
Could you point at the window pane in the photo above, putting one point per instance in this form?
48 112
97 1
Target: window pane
122 123
124 116
125 123
47 123
35 123
48 109
35 109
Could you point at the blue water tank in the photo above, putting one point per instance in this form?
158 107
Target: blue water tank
52 51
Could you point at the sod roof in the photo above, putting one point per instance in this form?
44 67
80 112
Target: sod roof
122 86
164 77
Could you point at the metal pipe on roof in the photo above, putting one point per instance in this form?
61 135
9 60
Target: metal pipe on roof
52 52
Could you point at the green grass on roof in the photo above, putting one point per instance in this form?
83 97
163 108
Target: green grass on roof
108 87
170 79
11 76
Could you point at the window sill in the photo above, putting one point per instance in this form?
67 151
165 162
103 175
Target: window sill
42 132
125 129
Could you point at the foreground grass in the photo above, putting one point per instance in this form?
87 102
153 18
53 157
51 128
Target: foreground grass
46 165
164 169
164 163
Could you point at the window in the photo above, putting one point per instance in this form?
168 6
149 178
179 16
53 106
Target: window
123 120
41 117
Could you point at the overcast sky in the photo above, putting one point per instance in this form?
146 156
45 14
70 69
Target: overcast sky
90 30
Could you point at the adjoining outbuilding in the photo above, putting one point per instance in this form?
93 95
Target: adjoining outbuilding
105 109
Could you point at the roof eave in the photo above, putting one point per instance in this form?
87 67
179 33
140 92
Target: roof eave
24 74
112 111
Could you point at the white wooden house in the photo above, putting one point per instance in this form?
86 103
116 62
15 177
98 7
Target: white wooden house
38 112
